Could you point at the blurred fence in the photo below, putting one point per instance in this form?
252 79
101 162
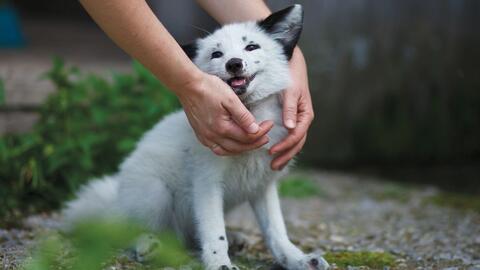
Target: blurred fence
394 80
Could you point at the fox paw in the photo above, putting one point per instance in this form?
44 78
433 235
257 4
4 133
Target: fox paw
145 248
311 262
231 267
237 241
222 267
308 262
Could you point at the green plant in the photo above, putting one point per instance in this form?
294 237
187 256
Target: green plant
97 243
298 187
84 130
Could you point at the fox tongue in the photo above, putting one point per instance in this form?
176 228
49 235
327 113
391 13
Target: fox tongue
238 82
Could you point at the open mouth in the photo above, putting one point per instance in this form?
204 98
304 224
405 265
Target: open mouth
239 84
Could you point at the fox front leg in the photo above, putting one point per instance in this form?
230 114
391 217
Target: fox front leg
269 216
208 210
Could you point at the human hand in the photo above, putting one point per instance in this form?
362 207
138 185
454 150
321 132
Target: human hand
297 113
220 120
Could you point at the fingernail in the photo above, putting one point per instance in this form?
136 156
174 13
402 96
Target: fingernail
253 128
290 123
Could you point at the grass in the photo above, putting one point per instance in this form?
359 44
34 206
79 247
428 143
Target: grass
393 191
298 187
456 200
374 260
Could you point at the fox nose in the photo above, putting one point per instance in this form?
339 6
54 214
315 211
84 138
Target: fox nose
234 65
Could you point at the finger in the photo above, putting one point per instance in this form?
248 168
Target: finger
241 115
280 161
234 132
216 148
292 138
236 148
290 108
203 140
219 150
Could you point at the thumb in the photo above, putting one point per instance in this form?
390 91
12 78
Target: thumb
290 104
242 116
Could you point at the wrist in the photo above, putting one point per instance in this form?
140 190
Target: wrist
298 68
190 84
297 57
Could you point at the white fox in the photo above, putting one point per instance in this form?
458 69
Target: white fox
172 182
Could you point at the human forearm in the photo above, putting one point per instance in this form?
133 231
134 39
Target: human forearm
133 26
235 10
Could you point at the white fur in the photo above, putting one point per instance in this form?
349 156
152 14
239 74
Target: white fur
171 181
269 61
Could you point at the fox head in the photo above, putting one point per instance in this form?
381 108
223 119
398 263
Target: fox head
251 57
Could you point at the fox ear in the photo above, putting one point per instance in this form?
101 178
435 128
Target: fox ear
285 26
190 49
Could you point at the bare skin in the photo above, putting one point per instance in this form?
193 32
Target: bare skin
220 121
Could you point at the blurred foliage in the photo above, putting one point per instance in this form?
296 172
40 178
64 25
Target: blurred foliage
298 186
85 129
93 245
373 260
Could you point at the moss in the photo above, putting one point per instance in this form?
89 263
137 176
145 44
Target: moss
455 200
299 187
375 260
252 263
393 191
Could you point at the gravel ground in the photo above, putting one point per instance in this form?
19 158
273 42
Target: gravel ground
352 213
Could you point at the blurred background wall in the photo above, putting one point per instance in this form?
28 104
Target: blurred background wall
395 84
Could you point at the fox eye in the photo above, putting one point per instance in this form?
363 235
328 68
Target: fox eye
217 54
252 47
